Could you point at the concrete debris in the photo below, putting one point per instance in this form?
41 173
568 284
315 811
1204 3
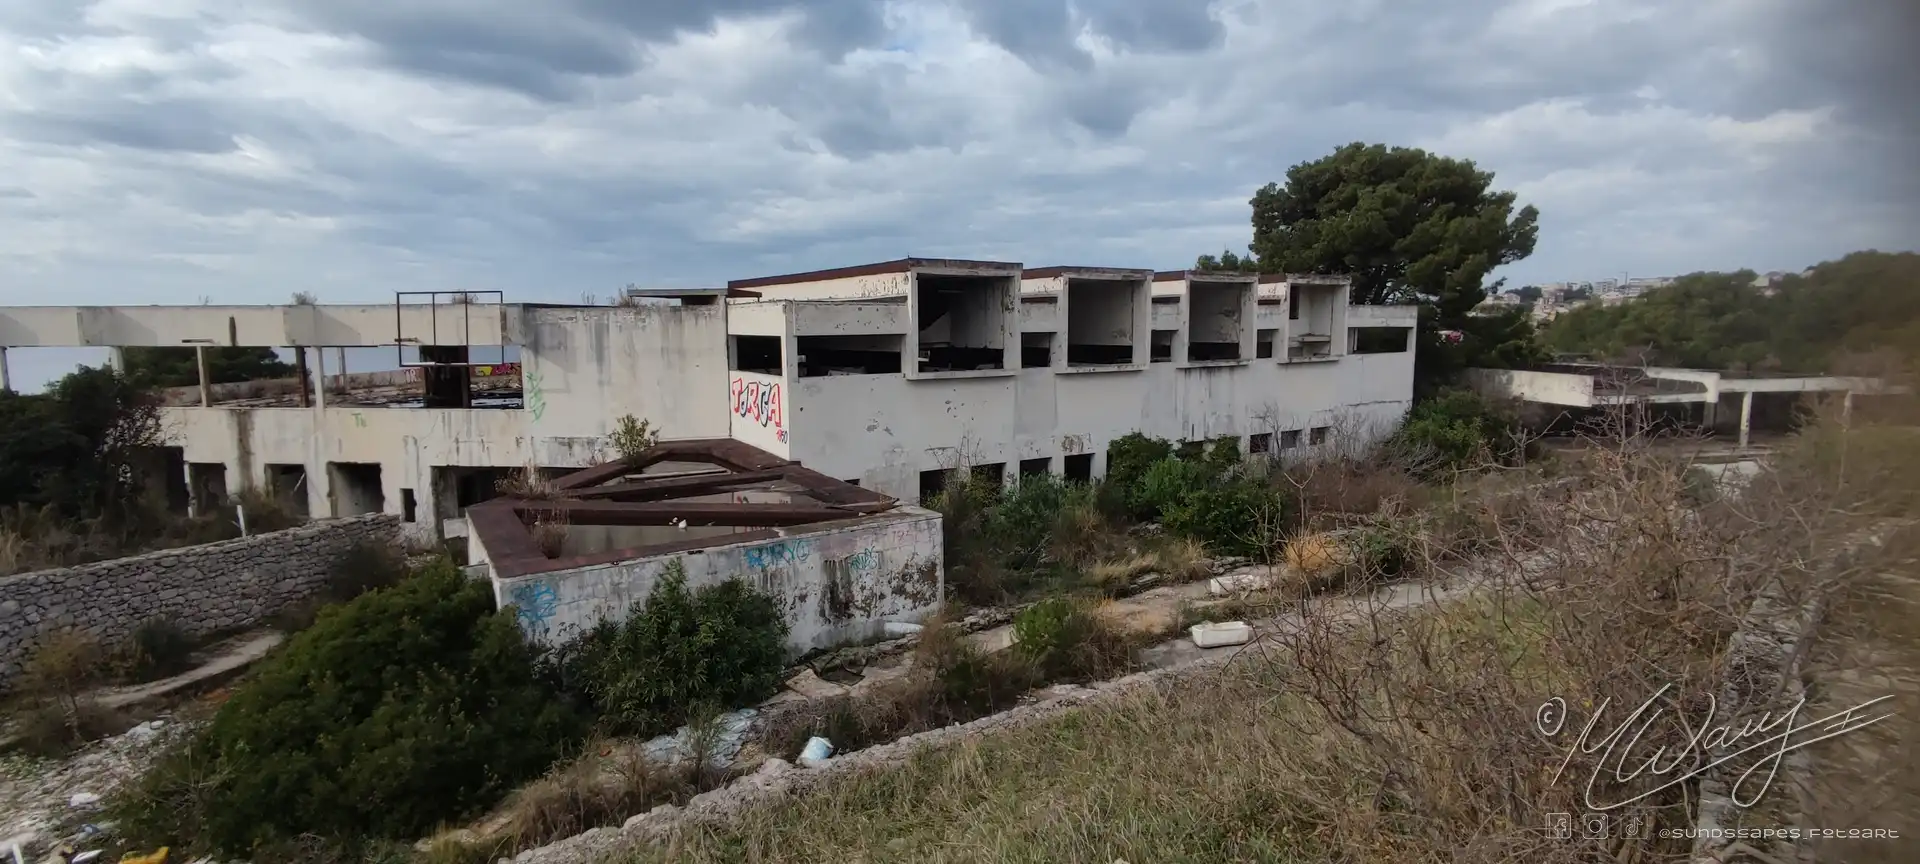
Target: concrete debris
83 800
813 686
1244 582
901 628
1212 635
38 798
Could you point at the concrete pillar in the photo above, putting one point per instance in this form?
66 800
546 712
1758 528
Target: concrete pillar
1709 412
193 494
117 359
340 360
6 377
319 479
1746 416
1846 408
206 388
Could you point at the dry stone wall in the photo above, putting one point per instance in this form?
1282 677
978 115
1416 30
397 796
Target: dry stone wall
203 589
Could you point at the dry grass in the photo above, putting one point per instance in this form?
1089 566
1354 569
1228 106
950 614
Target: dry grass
549 528
33 539
1382 736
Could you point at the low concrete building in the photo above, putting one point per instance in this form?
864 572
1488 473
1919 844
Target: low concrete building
841 562
883 375
1712 399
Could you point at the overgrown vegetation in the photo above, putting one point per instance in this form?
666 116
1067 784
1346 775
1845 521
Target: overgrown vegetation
1370 733
405 707
720 645
1863 301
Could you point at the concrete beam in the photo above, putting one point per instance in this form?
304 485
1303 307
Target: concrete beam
255 326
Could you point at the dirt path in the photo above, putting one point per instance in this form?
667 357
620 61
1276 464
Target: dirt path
1870 778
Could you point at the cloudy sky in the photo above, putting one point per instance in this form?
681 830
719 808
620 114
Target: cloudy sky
166 151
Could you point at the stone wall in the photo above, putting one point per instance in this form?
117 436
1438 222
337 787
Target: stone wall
204 589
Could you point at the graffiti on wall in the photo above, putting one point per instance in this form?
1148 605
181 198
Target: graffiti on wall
785 553
759 402
535 603
863 561
536 393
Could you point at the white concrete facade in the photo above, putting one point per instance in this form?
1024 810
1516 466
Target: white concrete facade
1229 361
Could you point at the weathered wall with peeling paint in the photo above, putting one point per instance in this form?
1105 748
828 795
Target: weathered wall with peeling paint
834 586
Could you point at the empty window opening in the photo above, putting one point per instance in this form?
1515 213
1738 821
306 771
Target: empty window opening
1318 435
962 322
932 483
1100 321
356 488
1293 305
756 354
1079 467
823 356
1190 450
1311 306
1378 340
171 472
1263 342
206 485
1035 467
288 484
1260 442
1162 346
409 508
1289 439
1036 350
992 474
1214 314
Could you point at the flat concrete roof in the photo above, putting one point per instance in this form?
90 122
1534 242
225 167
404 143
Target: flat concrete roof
901 265
1070 271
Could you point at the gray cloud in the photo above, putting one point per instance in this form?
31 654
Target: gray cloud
157 150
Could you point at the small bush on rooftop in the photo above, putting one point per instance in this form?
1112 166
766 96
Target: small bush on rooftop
633 437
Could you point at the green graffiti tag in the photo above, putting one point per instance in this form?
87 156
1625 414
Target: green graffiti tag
536 394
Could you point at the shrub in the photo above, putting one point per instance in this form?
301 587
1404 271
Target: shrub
1061 639
365 567
403 708
1454 429
1234 516
158 648
724 644
633 437
1130 456
1165 486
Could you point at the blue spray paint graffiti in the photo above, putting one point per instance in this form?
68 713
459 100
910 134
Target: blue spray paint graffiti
536 603
782 554
863 561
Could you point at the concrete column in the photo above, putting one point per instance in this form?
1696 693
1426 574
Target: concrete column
6 377
1746 416
193 494
1709 412
340 360
117 359
1846 408
206 388
319 479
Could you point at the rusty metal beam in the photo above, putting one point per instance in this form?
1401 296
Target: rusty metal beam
675 487
693 513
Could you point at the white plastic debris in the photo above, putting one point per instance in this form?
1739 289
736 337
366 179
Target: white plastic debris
901 628
1216 635
90 855
83 799
818 750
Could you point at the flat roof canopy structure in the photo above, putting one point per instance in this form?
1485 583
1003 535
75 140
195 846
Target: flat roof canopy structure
779 494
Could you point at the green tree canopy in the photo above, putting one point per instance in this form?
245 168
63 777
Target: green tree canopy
80 447
1407 225
1861 302
177 367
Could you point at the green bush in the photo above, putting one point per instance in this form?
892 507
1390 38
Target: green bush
1165 486
722 645
1453 430
402 709
1234 515
365 567
1129 457
1020 524
1061 639
158 648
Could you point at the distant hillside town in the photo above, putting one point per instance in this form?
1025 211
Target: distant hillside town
1552 299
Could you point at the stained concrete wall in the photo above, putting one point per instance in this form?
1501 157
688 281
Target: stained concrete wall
834 585
581 367
204 589
883 430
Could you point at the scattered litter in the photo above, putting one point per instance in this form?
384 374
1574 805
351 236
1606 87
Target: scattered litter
83 800
156 857
727 740
818 750
901 628
1240 583
146 730
89 855
1212 635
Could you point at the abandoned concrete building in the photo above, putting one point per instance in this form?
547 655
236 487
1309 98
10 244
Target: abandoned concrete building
881 376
